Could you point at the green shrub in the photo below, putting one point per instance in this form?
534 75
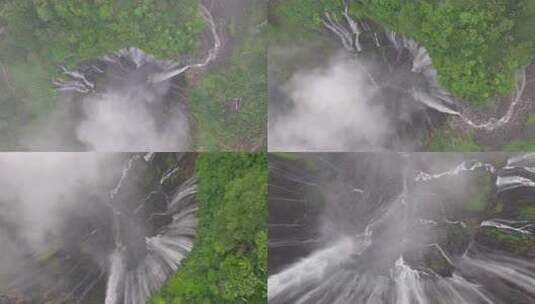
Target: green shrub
229 261
68 31
520 146
446 140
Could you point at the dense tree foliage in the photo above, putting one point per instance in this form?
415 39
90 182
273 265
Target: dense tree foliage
69 31
302 15
520 145
477 46
229 261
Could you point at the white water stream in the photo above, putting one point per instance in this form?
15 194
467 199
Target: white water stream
437 99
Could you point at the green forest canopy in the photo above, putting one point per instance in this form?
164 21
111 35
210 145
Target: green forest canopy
68 31
228 263
477 46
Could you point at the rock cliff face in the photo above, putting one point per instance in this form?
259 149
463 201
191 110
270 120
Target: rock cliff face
421 227
125 242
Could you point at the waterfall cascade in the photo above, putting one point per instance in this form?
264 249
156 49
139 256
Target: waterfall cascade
134 238
408 248
434 96
164 251
77 80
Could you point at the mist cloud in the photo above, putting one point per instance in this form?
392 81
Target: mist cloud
38 189
331 111
120 110
116 121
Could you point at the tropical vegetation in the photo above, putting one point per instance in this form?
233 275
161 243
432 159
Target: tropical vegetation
229 261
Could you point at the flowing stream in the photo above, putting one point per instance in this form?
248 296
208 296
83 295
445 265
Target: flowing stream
349 32
163 70
130 100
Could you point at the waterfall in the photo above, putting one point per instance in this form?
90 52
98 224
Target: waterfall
463 167
211 56
437 98
409 287
124 174
77 80
432 102
168 175
116 276
515 273
315 268
505 183
510 225
165 250
520 158
518 173
395 260
116 234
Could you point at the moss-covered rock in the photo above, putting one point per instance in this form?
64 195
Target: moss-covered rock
515 243
430 258
516 210
437 260
454 238
481 197
527 212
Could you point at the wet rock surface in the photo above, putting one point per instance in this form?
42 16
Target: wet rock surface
5 299
512 242
417 231
147 219
433 258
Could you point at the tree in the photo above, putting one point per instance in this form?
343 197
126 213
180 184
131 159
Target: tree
68 31
229 261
